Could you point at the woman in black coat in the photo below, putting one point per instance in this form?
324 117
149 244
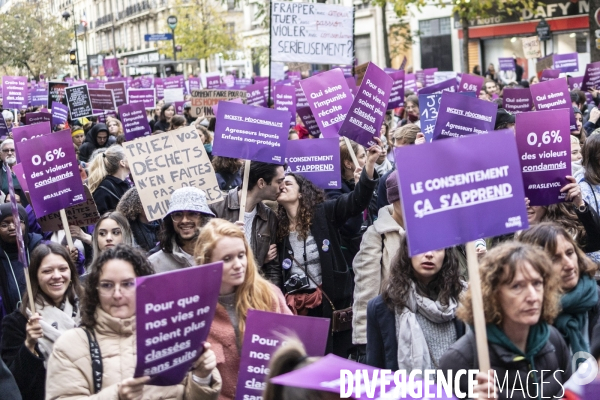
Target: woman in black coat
316 277
106 181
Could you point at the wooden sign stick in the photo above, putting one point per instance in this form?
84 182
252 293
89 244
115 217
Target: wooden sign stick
65 223
483 355
244 190
351 151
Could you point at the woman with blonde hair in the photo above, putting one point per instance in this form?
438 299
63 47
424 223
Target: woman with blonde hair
106 179
520 295
242 288
115 127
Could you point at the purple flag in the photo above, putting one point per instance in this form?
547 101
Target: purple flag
52 172
543 140
174 311
397 93
591 78
111 67
284 99
463 180
263 336
39 97
256 94
135 122
470 83
549 74
364 119
14 91
251 133
34 118
566 62
553 95
506 64
461 115
309 122
517 100
78 100
60 113
144 96
329 99
102 99
318 163
119 92
159 85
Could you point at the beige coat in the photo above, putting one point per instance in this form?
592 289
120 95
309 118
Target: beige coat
371 266
70 366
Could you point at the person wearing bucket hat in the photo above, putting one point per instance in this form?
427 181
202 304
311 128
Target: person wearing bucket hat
12 276
188 212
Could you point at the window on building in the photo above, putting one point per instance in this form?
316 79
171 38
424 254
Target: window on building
362 48
436 43
581 42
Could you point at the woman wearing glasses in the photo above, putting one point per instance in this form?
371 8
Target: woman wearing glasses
27 339
188 212
108 317
8 156
106 180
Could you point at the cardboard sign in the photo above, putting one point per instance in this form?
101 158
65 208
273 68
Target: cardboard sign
553 95
531 47
591 78
202 101
329 99
251 133
264 335
367 112
34 118
319 164
134 120
14 92
78 100
144 96
463 180
312 33
119 92
82 214
460 115
284 99
174 311
160 164
52 172
517 100
56 92
309 121
102 99
566 62
543 141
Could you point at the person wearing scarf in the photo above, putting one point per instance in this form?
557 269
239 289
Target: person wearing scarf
580 310
29 335
528 356
412 323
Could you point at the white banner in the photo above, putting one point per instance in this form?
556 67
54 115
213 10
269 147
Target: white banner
311 33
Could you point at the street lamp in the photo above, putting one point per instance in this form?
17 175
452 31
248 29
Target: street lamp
66 15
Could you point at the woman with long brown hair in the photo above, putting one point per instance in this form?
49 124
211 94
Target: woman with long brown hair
227 171
242 289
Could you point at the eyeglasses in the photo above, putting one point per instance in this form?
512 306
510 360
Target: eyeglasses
109 288
8 150
6 225
177 216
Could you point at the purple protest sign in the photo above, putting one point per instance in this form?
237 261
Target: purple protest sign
14 91
300 97
429 105
34 118
216 106
102 99
461 115
449 85
284 99
60 113
553 95
591 78
410 82
52 172
134 120
39 97
506 64
429 77
470 83
251 133
213 82
160 88
397 93
174 312
174 82
144 96
17 169
566 62
256 94
320 164
111 67
179 107
264 335
26 132
364 119
78 100
194 84
574 82
309 122
517 100
543 140
549 74
464 179
119 92
329 99
242 83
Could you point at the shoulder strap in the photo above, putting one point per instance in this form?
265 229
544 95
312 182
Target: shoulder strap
110 192
96 360
313 281
593 193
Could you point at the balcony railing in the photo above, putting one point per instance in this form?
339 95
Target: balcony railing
104 20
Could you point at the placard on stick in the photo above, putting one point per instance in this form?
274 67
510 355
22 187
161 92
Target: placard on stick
82 214
163 163
320 164
78 100
202 101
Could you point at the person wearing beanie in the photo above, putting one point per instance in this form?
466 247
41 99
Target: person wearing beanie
12 275
379 245
188 212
